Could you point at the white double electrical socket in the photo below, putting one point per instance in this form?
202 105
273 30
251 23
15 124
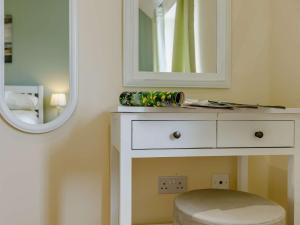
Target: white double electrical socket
172 184
220 181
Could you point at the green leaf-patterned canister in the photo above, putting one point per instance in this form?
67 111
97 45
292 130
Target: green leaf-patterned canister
152 99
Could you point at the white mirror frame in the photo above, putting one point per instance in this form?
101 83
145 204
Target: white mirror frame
73 65
132 77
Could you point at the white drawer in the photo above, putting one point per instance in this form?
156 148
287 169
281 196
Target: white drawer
162 134
251 134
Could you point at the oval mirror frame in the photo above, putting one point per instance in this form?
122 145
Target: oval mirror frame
73 80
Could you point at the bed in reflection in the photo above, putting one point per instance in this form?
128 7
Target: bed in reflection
26 103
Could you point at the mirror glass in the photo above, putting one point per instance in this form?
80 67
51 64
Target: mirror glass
178 36
37 59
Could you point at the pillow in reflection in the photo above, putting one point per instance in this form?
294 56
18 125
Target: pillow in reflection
30 117
16 101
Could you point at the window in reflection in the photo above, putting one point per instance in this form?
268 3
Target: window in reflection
178 36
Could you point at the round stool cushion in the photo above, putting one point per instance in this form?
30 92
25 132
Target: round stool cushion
225 207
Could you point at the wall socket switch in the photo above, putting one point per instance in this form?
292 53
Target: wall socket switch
220 181
172 185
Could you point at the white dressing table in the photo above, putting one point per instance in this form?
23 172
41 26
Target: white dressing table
177 132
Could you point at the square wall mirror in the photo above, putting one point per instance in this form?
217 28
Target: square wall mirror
177 43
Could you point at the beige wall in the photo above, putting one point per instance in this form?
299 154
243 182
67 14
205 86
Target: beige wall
62 178
285 79
285 52
285 71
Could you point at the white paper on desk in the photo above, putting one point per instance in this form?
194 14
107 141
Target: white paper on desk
190 101
194 103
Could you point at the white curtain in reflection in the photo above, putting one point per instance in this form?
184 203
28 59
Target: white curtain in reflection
170 16
159 39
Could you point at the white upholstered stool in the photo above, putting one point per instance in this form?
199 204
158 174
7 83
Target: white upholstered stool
224 207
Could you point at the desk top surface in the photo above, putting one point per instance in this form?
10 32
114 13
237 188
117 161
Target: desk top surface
126 109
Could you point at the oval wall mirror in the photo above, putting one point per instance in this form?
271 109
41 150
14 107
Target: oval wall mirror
38 63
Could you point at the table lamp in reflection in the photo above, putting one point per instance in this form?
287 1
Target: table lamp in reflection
58 100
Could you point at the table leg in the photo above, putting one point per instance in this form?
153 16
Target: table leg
243 173
114 186
125 190
293 216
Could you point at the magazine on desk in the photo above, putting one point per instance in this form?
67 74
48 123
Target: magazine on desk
193 103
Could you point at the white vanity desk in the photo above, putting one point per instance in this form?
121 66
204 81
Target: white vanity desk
176 132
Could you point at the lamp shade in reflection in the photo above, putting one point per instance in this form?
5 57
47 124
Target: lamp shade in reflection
58 100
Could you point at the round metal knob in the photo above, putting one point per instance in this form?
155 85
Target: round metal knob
177 135
259 134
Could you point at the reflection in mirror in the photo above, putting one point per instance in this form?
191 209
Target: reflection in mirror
178 36
37 77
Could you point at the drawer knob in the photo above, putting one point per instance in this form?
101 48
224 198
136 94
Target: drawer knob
177 135
259 134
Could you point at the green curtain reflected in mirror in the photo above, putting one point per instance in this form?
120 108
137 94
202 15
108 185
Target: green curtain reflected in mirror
184 38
